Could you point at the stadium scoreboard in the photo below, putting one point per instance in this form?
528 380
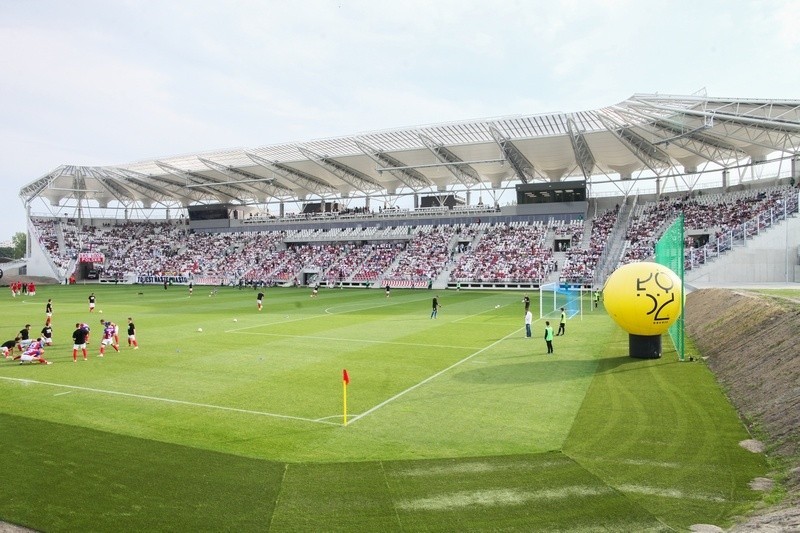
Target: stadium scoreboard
209 212
554 192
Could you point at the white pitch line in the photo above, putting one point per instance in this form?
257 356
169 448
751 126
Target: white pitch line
63 393
168 400
429 378
359 340
339 416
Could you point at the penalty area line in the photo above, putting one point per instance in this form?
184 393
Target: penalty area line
430 378
169 400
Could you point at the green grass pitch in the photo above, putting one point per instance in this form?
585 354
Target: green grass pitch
459 423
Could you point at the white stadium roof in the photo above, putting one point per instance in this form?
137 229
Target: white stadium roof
647 134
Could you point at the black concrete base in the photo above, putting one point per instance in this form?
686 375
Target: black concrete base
644 346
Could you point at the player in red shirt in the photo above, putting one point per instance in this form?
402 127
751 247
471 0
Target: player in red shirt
35 352
108 338
106 323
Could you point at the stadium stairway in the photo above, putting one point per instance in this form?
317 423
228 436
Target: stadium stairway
62 245
615 246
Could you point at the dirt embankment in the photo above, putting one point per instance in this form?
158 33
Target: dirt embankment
752 344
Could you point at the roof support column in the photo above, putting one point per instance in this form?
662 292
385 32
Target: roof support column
796 167
726 174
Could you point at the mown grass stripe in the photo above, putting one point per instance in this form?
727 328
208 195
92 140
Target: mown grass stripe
166 400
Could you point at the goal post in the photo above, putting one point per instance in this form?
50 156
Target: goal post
554 296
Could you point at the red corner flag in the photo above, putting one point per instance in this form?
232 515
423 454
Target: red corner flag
345 381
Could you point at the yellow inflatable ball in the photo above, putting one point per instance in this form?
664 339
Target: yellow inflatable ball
643 298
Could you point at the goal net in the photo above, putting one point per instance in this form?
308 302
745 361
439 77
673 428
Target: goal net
554 296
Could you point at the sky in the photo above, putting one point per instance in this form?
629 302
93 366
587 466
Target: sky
117 81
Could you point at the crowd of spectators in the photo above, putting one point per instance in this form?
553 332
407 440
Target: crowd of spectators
377 258
579 265
483 252
425 255
507 253
722 217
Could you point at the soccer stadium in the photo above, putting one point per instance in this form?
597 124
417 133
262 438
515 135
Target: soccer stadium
332 335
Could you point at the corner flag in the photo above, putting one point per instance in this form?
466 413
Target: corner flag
345 381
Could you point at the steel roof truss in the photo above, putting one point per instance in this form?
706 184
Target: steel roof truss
301 179
198 180
521 165
689 139
583 154
141 183
651 156
411 178
464 173
349 175
266 186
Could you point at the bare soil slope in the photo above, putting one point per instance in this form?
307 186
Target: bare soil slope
752 344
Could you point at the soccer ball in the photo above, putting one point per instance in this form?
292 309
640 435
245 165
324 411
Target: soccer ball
497 306
200 330
235 320
100 311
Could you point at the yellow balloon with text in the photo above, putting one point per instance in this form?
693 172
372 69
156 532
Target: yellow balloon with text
643 298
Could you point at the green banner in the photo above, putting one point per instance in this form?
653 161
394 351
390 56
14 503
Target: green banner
670 253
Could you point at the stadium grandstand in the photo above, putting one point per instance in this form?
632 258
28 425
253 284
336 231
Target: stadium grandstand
513 202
